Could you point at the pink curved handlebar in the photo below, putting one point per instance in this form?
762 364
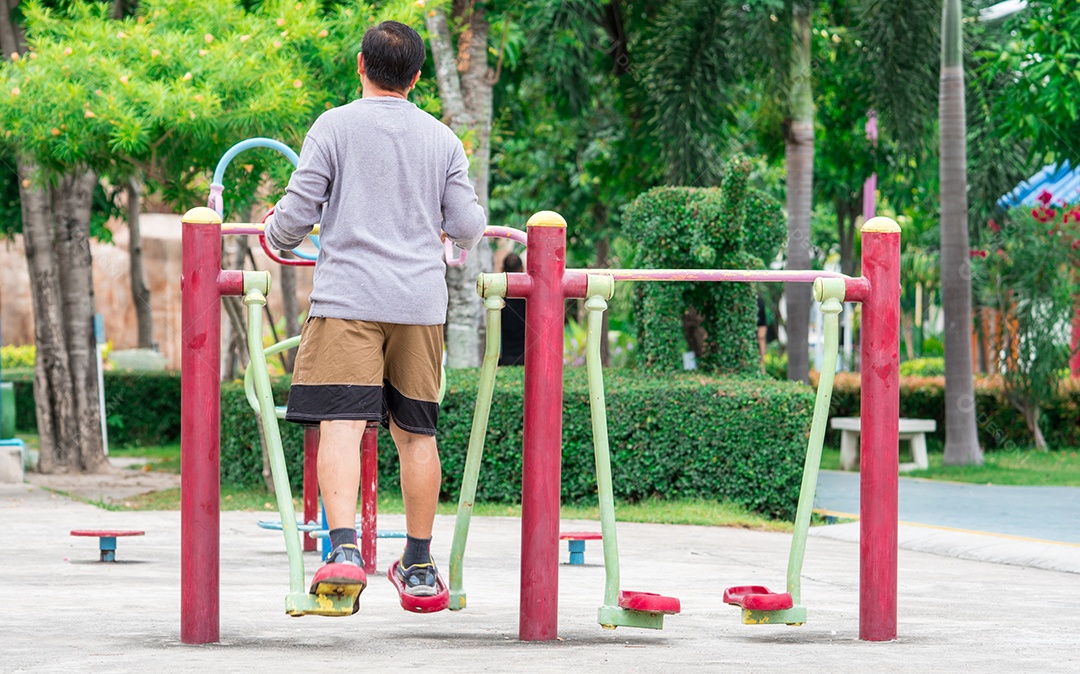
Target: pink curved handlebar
496 232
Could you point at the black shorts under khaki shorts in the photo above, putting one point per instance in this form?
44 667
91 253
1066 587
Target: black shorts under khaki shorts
364 370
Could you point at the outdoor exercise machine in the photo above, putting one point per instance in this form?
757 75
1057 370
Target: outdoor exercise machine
545 286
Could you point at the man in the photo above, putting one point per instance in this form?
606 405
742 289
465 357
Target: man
387 181
513 321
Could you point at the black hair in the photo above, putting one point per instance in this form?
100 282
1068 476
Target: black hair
393 53
511 263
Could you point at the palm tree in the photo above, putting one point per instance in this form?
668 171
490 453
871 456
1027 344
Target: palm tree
799 161
961 432
902 39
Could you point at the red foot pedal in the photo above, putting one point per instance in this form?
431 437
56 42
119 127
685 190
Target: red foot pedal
648 601
433 604
757 598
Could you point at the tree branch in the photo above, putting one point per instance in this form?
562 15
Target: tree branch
12 39
446 72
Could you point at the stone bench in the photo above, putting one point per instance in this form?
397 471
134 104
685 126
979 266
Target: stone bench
913 430
12 460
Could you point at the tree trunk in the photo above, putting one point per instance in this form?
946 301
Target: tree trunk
290 306
961 433
465 89
11 34
846 217
799 159
56 228
71 200
1031 417
140 293
602 263
53 398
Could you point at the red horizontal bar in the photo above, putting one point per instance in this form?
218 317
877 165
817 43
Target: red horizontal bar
230 282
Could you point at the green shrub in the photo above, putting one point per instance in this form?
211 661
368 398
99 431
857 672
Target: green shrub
923 367
677 436
12 356
733 227
141 408
25 414
776 365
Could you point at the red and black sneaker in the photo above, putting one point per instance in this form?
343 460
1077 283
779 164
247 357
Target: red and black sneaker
343 574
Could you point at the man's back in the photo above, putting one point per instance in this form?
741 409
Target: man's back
392 177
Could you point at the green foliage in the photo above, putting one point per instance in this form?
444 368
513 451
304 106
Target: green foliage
1028 272
141 408
149 95
744 443
923 367
776 365
23 380
17 356
1040 61
734 227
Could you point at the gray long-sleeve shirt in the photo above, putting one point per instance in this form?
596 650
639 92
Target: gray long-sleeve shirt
391 177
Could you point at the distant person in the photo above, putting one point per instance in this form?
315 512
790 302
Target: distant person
762 327
513 321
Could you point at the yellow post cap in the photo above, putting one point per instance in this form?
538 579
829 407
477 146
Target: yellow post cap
202 216
546 219
881 225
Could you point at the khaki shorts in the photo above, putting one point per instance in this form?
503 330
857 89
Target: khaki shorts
363 370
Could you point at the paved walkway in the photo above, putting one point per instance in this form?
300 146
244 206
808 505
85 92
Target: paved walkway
1029 526
63 611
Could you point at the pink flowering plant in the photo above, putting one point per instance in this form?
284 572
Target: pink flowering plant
1026 267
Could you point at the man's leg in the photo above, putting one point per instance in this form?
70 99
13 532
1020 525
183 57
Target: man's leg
421 477
339 470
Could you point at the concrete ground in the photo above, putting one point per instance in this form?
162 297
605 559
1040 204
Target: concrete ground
63 611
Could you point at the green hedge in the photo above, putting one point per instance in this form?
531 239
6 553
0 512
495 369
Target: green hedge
676 436
23 379
1000 425
923 367
141 408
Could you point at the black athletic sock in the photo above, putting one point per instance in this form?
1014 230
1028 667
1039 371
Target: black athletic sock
417 551
343 536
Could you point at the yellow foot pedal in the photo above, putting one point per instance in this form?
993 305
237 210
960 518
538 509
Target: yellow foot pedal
332 605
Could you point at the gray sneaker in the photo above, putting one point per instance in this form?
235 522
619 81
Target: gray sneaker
419 580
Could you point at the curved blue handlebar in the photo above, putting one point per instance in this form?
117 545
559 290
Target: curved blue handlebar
217 186
226 159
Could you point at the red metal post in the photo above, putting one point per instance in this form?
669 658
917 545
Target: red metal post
311 482
880 430
541 461
200 415
369 494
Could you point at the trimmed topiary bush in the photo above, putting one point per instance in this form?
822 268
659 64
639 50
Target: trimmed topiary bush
734 227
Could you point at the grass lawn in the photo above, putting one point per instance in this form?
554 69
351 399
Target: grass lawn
165 458
1008 467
